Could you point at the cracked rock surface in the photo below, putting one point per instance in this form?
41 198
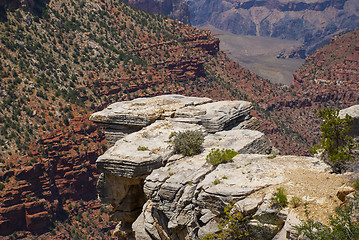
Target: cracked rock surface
156 194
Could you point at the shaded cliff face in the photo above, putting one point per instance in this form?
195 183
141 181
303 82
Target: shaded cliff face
175 9
311 22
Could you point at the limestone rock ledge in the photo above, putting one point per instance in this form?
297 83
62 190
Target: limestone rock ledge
122 118
155 194
186 198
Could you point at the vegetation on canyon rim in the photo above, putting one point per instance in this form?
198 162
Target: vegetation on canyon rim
336 144
217 156
338 150
337 147
234 225
187 143
343 225
280 198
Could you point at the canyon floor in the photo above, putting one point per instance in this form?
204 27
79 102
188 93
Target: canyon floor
259 54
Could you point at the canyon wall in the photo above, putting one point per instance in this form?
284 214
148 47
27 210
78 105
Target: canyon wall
310 22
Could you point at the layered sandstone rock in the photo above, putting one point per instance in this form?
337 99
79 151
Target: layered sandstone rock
156 194
120 119
137 153
34 191
187 196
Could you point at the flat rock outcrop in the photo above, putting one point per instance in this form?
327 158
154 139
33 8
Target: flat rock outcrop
142 143
156 194
126 117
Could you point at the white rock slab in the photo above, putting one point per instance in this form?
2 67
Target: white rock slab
144 111
126 159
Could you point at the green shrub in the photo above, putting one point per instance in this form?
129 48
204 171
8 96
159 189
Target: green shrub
187 143
233 226
216 181
2 186
337 145
343 225
217 156
280 198
295 202
271 156
141 148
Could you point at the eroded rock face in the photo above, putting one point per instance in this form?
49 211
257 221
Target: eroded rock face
187 196
311 22
136 154
69 172
156 194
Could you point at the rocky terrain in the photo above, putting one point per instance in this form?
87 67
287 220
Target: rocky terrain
71 59
184 197
311 22
48 146
66 61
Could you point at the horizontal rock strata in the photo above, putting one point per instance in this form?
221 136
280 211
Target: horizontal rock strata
156 194
122 118
140 132
189 194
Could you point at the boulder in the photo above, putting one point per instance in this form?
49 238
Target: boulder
288 231
249 205
343 191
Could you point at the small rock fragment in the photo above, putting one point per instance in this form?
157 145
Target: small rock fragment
343 191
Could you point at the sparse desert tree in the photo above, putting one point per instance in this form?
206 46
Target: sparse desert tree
336 144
